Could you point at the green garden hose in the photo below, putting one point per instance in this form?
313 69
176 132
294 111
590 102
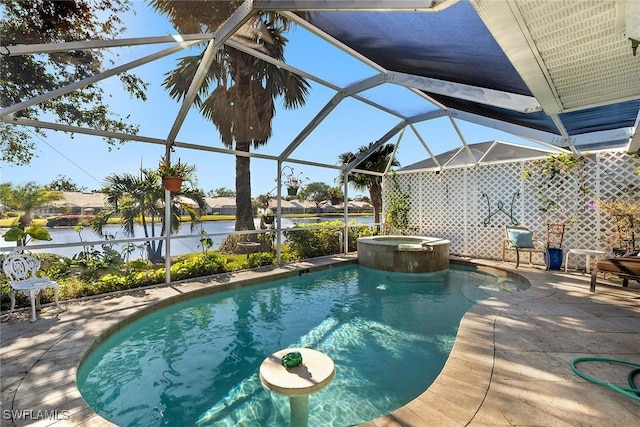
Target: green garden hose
633 392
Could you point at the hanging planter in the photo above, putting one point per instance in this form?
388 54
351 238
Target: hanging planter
172 183
292 181
173 174
268 219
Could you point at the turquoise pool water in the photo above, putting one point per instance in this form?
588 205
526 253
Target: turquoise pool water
196 362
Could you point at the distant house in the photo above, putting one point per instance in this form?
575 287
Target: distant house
74 203
359 206
288 207
220 205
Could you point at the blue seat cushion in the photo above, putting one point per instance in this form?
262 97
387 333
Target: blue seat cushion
522 239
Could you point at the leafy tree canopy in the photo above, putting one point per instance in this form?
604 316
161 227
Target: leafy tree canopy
316 192
64 183
23 77
239 91
221 192
377 161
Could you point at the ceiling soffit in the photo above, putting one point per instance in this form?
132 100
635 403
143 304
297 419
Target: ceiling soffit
572 55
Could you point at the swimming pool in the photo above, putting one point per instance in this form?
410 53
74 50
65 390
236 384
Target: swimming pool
196 362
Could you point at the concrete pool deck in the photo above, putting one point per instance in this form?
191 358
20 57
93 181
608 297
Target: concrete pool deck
510 364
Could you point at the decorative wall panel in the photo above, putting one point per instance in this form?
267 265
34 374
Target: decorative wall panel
470 206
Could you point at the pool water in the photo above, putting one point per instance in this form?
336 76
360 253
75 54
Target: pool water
196 362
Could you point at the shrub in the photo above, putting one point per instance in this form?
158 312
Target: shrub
69 220
321 242
230 244
260 259
196 265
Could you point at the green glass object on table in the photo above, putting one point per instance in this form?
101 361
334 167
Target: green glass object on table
291 360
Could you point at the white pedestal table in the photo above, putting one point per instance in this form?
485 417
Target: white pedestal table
314 373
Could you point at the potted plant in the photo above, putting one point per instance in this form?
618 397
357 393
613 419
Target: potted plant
173 174
559 182
626 224
335 195
292 181
267 216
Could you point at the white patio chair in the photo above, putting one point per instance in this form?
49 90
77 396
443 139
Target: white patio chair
21 270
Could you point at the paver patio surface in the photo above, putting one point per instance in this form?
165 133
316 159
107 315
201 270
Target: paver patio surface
510 364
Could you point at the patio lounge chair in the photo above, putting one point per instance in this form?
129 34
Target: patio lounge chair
519 239
624 267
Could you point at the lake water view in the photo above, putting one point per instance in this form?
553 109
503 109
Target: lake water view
178 246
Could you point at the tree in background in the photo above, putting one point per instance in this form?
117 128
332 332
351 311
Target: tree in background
26 198
140 200
26 76
239 91
375 162
316 192
64 183
221 192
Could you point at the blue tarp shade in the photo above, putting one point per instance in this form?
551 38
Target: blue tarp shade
452 45
608 117
538 120
596 119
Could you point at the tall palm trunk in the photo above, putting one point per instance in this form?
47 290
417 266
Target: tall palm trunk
23 223
375 192
244 210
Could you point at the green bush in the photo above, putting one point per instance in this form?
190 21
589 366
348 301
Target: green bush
260 259
321 242
74 283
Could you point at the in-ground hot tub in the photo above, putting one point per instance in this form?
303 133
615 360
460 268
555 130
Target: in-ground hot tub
406 254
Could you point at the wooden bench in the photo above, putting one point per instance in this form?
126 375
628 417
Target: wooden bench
624 267
21 270
519 239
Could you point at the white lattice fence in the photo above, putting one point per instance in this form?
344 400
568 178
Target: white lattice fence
470 206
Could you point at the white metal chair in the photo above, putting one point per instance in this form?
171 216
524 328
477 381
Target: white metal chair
21 270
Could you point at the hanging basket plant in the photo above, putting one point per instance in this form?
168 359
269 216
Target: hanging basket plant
172 183
268 219
173 174
292 181
336 196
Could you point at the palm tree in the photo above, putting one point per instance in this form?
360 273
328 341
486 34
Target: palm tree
239 91
26 198
375 162
140 199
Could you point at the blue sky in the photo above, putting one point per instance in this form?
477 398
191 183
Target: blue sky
87 159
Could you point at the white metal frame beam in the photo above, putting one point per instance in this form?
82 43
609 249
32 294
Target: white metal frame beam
510 101
32 49
634 137
94 79
546 139
425 145
505 23
237 19
328 108
386 137
285 66
153 140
